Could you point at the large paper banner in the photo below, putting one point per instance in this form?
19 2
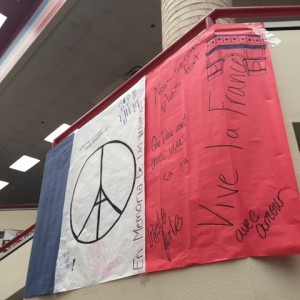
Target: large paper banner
219 179
102 229
220 182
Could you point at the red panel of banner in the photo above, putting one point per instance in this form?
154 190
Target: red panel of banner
219 178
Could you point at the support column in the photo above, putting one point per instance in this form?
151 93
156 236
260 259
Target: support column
178 16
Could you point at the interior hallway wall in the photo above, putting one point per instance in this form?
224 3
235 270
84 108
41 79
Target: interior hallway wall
17 219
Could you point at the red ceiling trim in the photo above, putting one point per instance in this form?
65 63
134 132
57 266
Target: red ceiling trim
18 206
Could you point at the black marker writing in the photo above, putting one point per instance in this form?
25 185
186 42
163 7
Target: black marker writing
261 223
165 228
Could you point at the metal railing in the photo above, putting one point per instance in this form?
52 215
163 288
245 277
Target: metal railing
17 242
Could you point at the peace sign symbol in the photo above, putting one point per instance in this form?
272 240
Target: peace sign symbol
102 191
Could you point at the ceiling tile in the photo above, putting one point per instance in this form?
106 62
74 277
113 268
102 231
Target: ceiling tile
120 64
93 47
78 23
38 132
136 12
100 76
104 93
78 64
12 95
108 4
40 150
27 138
17 147
37 103
84 90
88 11
38 67
23 114
65 81
47 121
4 142
53 51
75 104
61 115
137 50
112 31
150 28
9 156
25 82
48 90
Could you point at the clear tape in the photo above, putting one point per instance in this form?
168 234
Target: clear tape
270 37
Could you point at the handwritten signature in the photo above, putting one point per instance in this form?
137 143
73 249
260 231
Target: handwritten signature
164 228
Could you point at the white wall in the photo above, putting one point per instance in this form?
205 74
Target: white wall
13 270
17 219
273 278
286 61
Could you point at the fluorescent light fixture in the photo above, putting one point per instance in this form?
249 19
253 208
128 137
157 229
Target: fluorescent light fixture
57 132
3 184
24 163
2 19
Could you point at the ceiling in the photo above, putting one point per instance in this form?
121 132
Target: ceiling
85 57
